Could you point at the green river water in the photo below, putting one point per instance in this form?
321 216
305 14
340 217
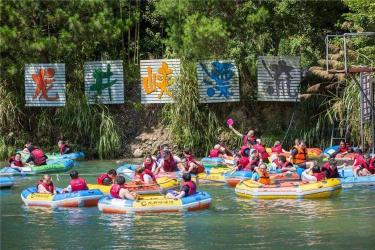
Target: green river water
343 222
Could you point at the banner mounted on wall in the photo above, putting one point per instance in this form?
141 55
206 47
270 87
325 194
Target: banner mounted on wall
218 81
279 78
45 84
367 95
158 79
104 82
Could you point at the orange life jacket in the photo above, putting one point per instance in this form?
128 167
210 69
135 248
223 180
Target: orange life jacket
264 178
300 156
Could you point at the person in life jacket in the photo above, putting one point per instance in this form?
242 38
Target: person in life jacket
283 165
298 156
330 169
160 152
37 156
119 190
76 183
45 185
262 151
64 148
243 163
168 163
108 178
144 175
149 163
215 152
248 139
278 148
188 188
261 175
313 175
189 164
16 162
25 147
343 149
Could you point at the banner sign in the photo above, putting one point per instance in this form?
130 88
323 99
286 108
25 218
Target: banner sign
367 85
218 81
104 82
158 78
278 78
45 84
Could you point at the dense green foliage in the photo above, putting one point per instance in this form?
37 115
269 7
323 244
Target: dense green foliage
77 31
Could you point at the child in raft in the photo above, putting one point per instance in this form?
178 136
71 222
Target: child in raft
261 150
149 163
283 165
76 183
168 163
330 169
261 174
45 185
313 175
119 190
243 162
189 164
248 139
16 163
216 152
64 148
188 188
108 178
144 175
278 148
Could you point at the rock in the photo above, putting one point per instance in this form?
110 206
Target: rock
138 153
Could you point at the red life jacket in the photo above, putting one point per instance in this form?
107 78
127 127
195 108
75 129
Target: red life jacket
360 161
15 162
262 151
78 184
62 148
343 149
243 162
115 191
39 157
49 187
329 169
319 176
190 159
148 165
277 149
170 165
102 177
243 149
249 140
148 172
192 187
214 153
371 166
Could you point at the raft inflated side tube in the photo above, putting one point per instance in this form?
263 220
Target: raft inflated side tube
233 178
292 190
132 187
6 182
358 181
83 198
155 204
213 162
214 174
57 165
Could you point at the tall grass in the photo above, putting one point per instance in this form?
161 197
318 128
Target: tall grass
10 112
109 140
192 124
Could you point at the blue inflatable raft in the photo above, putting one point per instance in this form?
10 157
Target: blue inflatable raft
6 182
84 198
155 204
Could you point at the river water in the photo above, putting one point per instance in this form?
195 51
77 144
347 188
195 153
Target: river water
343 222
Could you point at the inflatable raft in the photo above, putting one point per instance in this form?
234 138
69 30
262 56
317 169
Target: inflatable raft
358 181
132 187
71 156
330 150
155 204
58 165
288 190
84 198
215 162
233 178
214 174
6 182
164 180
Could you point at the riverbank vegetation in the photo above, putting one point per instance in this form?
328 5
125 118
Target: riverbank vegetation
73 32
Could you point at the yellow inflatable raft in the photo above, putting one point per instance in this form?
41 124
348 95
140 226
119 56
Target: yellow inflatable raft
213 175
288 190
